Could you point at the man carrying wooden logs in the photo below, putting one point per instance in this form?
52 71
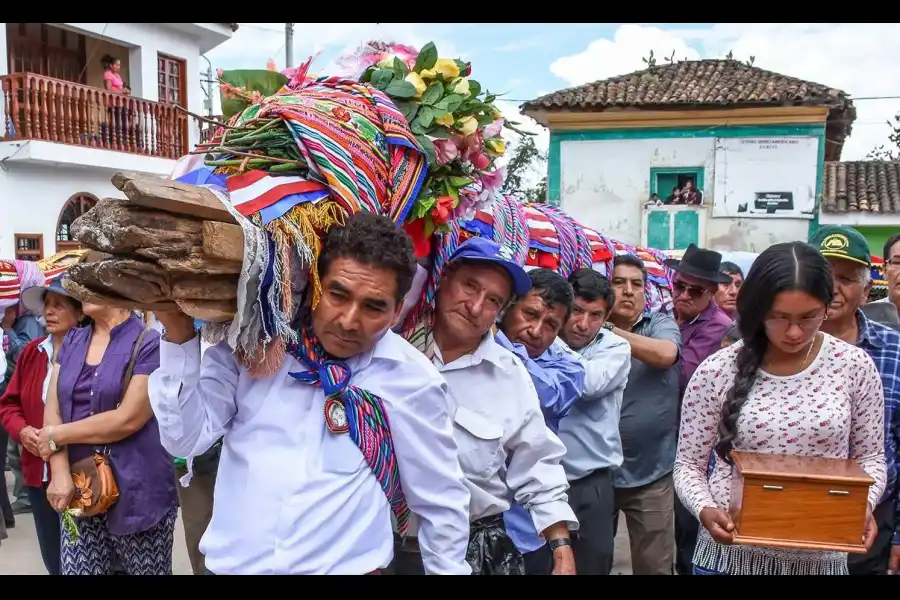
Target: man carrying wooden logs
354 427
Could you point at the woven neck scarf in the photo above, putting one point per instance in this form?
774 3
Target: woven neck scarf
349 409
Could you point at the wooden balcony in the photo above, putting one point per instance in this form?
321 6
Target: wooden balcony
36 107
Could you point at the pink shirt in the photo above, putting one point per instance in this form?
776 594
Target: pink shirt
115 82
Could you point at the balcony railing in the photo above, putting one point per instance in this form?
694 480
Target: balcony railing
43 108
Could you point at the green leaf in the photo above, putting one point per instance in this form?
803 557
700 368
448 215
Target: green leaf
519 131
484 120
450 103
428 147
461 65
426 117
409 110
439 132
367 75
424 206
400 89
417 127
399 68
264 81
433 94
459 182
489 98
429 225
474 87
381 78
428 56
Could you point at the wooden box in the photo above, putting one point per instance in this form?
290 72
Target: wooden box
801 502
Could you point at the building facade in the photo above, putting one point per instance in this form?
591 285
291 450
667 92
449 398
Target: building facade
63 135
751 143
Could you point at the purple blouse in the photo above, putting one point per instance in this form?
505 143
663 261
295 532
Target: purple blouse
144 471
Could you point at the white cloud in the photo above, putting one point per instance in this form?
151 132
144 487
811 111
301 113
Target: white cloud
854 57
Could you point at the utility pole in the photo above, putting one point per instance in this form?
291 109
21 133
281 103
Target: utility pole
209 86
289 45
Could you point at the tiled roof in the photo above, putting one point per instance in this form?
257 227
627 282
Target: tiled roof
703 84
707 83
871 186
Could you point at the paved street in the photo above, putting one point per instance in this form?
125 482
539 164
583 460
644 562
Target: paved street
19 554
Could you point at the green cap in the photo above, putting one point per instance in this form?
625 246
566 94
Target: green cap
838 241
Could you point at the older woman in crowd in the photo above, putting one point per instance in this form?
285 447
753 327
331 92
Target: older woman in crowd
785 388
93 407
19 326
22 406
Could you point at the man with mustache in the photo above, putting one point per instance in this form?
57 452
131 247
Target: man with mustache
506 451
648 423
300 489
529 329
848 254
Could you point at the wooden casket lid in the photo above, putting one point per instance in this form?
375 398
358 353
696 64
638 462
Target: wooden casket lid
800 468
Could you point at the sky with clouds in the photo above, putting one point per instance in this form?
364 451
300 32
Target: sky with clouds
526 60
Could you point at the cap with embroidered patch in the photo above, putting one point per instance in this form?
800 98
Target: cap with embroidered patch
839 241
482 249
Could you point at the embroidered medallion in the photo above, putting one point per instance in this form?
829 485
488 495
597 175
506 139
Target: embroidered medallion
336 416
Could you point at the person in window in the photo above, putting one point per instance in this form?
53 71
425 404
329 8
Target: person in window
675 196
746 397
90 408
22 406
19 326
689 195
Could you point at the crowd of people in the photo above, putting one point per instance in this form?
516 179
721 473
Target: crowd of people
535 411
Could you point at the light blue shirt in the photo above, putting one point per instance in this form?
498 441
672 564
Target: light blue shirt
591 431
559 380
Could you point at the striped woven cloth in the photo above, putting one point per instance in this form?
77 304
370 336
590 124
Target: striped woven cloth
355 141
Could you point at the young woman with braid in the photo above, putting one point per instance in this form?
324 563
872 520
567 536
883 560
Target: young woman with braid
784 388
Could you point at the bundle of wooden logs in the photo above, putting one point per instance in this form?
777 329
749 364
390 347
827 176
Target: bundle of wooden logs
168 246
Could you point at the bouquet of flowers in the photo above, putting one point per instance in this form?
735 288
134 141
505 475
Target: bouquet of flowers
457 124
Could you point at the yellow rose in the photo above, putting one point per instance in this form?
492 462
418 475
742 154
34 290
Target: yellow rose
461 87
417 83
446 120
445 66
386 63
496 146
467 125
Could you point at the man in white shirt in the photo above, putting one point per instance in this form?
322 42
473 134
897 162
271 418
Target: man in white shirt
295 494
506 451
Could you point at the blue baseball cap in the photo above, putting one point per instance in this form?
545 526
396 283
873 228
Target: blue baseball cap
479 248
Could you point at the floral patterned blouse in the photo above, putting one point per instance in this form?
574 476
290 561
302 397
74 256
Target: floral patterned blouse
834 408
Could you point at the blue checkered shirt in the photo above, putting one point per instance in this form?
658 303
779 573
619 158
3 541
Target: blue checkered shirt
883 345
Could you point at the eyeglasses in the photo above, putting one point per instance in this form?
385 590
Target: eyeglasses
695 291
807 324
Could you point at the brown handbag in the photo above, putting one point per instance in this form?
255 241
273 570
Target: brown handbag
95 484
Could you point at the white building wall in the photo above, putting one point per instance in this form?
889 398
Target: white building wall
32 196
605 183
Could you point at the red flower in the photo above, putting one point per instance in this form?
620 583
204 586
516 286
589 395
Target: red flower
467 71
442 210
416 231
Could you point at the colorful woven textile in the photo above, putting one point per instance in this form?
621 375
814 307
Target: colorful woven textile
9 283
367 421
355 140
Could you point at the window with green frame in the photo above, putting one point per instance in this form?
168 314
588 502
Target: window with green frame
663 181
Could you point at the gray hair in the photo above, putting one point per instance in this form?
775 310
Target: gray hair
865 274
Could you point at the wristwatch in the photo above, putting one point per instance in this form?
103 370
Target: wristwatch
559 543
51 443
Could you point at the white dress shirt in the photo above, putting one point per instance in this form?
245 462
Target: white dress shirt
293 498
498 420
